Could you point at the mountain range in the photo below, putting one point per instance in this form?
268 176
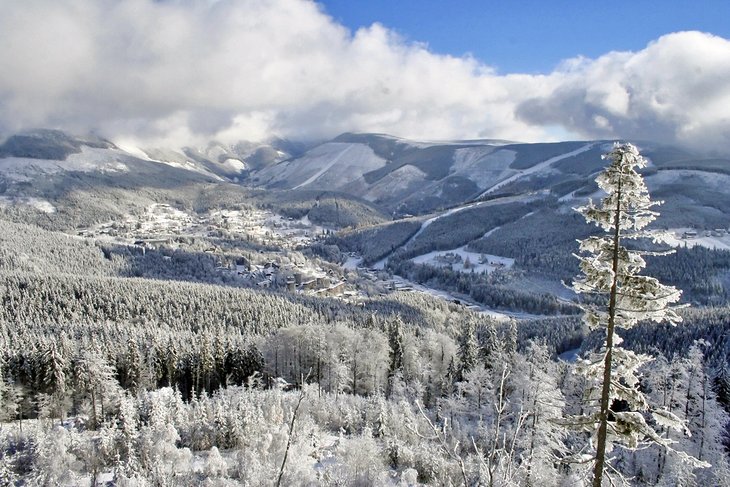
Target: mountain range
392 175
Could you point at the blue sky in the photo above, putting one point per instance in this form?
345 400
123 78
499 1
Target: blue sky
533 36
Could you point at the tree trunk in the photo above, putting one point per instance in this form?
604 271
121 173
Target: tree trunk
93 409
354 377
605 392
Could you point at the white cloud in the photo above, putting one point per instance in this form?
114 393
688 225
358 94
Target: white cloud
675 90
182 72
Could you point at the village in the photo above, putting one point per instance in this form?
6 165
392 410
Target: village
273 257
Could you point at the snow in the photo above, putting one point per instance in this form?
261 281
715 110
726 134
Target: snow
234 165
331 166
182 162
325 168
570 356
88 160
482 164
37 203
352 263
570 197
42 205
428 222
537 168
395 182
105 478
508 199
401 282
423 144
133 150
92 159
711 239
672 176
327 445
479 262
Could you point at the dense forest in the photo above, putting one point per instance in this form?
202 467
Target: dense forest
183 376
234 336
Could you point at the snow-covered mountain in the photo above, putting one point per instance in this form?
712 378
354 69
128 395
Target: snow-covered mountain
64 182
408 177
51 151
398 176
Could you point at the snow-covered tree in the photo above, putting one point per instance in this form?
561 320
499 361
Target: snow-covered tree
620 296
94 378
395 341
536 393
468 348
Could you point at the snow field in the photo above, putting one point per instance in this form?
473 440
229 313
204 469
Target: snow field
478 263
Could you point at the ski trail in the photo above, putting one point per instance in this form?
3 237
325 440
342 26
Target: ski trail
381 263
537 167
324 169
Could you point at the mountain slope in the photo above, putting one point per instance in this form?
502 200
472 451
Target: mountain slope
65 182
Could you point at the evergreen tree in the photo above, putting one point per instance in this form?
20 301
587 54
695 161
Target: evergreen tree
620 297
395 340
490 346
468 349
55 379
722 385
94 377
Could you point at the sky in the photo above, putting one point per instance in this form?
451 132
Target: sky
183 72
533 36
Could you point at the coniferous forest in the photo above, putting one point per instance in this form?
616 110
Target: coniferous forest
161 362
303 243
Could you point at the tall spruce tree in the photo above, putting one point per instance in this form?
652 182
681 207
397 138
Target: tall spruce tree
620 297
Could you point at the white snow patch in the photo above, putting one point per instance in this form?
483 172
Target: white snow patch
709 180
568 197
509 199
456 259
325 168
712 239
135 151
166 158
483 165
428 222
42 205
422 144
570 356
88 160
331 166
400 282
234 165
352 263
37 203
538 167
395 182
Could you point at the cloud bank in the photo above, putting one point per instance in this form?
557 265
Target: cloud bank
182 72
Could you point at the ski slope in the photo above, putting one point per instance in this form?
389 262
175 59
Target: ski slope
537 167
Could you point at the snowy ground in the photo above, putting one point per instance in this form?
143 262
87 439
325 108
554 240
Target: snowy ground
181 163
37 203
712 239
570 356
403 283
470 261
88 160
352 262
537 167
331 165
481 164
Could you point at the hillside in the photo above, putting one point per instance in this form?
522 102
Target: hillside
459 215
167 301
